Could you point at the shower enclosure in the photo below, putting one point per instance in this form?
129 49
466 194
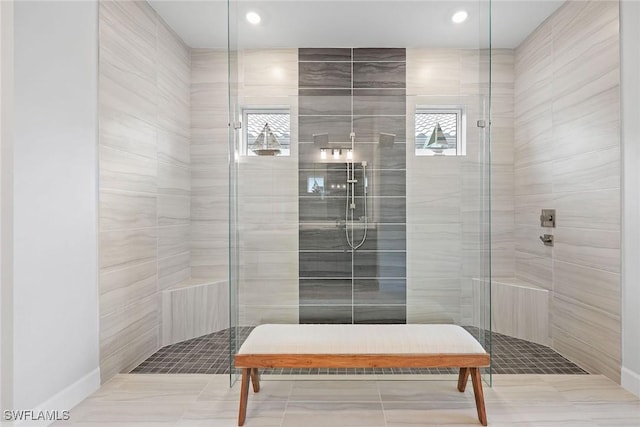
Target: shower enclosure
359 165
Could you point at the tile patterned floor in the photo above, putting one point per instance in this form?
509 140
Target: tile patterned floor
209 354
207 400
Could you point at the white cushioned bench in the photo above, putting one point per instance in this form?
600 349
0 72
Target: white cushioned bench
361 346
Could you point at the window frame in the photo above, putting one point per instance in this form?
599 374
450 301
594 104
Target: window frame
461 127
261 110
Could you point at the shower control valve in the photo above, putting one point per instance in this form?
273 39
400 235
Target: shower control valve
548 218
547 239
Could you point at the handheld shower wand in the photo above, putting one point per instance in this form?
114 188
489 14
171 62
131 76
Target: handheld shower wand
350 206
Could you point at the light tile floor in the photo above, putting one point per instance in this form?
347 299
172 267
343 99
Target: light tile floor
206 400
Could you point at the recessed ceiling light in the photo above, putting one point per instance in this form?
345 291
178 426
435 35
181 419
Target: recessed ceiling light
253 18
460 16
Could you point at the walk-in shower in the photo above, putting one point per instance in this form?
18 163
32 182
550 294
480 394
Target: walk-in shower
364 181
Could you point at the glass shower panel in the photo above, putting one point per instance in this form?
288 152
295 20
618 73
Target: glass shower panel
367 197
482 288
233 143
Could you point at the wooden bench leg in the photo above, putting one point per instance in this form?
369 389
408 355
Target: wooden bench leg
477 391
255 380
244 395
462 379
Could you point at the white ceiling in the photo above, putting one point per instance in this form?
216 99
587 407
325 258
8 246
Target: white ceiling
354 23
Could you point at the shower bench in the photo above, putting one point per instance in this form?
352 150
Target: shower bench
361 346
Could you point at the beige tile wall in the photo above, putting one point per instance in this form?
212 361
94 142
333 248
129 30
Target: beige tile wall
444 194
267 186
209 165
567 157
194 309
268 196
144 178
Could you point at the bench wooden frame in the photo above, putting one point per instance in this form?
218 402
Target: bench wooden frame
469 365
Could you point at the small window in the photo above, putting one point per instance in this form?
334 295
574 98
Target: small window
267 132
440 131
315 185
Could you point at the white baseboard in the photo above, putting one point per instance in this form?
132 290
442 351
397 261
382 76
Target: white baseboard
630 381
67 398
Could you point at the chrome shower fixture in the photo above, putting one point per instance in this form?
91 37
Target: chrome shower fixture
350 206
320 138
386 139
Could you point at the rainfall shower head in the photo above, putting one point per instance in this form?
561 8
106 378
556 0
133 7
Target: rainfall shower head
321 138
386 139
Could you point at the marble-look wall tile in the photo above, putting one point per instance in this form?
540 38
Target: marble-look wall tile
324 102
326 313
435 251
268 72
378 102
208 234
123 210
124 132
598 170
173 179
125 248
119 287
173 209
338 128
326 75
259 314
591 210
173 240
368 128
599 249
534 179
115 41
129 93
325 264
379 54
567 158
208 263
193 311
173 270
144 81
444 194
379 75
433 301
367 111
268 291
519 310
130 356
269 265
174 148
379 291
379 264
375 314
592 287
118 329
123 171
277 237
590 325
434 71
589 358
325 291
324 54
535 269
